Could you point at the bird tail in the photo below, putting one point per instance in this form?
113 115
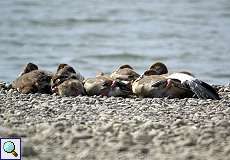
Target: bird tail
202 90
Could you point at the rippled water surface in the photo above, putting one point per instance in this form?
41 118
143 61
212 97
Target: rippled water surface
99 35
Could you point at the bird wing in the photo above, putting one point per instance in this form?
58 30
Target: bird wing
202 90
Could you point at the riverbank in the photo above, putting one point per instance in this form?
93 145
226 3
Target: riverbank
54 127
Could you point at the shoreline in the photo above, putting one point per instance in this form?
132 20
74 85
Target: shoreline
117 128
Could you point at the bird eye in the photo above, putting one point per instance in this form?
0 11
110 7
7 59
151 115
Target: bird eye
73 76
105 84
157 84
64 77
131 76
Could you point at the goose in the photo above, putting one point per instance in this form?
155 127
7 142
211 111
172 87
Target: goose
33 80
175 85
124 73
106 86
67 82
200 88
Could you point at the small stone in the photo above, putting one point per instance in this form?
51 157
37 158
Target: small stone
142 137
76 138
10 91
144 150
189 142
178 122
122 148
223 123
28 150
60 127
126 138
5 132
158 125
107 128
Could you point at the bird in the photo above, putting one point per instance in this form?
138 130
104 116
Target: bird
174 85
28 68
158 86
66 71
67 82
106 86
159 68
71 87
33 80
124 73
200 88
146 85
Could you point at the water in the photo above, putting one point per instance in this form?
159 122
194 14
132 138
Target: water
99 35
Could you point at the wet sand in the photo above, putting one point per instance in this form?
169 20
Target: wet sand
88 128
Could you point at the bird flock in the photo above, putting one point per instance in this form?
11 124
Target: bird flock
155 82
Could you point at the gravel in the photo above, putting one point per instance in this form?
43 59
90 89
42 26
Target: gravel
88 128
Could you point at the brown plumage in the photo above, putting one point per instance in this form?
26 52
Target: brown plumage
72 87
28 68
32 80
105 86
67 82
124 73
159 68
158 86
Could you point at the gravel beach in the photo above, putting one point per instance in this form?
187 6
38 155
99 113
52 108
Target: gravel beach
88 128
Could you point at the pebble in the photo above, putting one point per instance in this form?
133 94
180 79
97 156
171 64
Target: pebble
76 138
179 122
142 137
5 132
28 150
113 128
126 138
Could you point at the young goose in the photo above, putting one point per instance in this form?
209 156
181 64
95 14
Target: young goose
124 73
105 86
32 80
71 87
199 88
67 82
158 86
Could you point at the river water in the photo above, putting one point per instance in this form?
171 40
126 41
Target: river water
99 35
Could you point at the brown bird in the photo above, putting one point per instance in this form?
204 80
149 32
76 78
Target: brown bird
175 85
125 73
106 86
159 68
200 89
32 80
64 72
158 86
28 68
71 87
67 82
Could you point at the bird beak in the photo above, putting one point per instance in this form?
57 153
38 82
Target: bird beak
169 83
54 89
114 84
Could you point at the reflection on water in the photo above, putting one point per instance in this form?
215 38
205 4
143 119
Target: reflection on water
100 35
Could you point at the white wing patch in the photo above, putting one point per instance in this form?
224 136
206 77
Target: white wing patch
181 76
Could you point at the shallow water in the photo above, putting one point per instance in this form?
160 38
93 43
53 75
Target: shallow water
99 35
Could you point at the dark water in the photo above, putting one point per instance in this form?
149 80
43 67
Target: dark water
99 35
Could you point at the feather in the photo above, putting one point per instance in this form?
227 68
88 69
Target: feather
202 90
